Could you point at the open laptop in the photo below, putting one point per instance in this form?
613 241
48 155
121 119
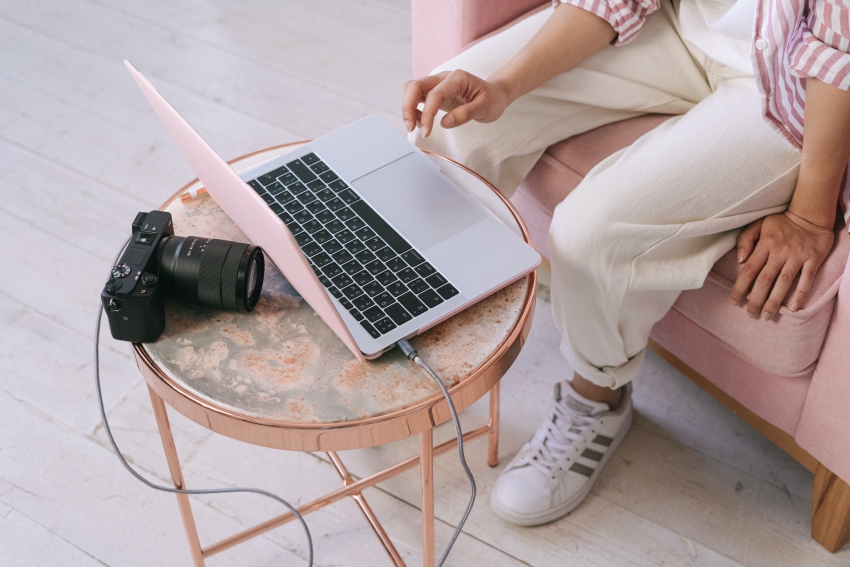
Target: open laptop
364 226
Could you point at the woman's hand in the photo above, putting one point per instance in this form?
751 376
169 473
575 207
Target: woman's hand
775 249
464 96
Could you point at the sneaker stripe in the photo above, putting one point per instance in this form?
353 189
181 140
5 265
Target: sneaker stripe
603 440
592 455
581 469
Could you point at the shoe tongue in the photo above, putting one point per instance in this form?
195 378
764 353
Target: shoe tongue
578 403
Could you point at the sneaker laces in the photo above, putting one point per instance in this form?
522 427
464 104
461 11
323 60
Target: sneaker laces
560 436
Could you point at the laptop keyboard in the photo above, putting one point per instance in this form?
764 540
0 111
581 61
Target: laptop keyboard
370 268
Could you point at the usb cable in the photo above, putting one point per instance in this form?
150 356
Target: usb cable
411 354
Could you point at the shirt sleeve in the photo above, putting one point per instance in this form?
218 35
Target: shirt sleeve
625 16
822 51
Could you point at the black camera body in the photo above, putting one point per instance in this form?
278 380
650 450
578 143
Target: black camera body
215 273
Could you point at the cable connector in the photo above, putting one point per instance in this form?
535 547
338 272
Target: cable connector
406 349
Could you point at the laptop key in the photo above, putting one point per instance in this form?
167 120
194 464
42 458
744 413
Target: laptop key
345 213
386 278
384 299
375 267
316 186
379 225
306 197
398 314
335 292
364 257
322 236
274 188
328 176
396 288
284 197
338 185
332 246
363 302
363 278
316 269
303 239
341 280
311 250
374 314
384 326
268 198
342 257
324 216
425 270
255 185
374 244
345 236
276 208
325 281
385 254
370 329
310 158
412 304
431 298
271 176
302 216
447 291
331 270
352 267
352 291
301 171
356 314
316 207
297 188
319 167
293 207
397 264
345 303
325 195
286 218
372 288
413 257
312 226
355 223
321 259
286 178
417 285
365 233
295 229
349 197
335 204
334 226
355 247
436 280
406 275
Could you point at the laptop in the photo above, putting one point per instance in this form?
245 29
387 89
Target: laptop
364 226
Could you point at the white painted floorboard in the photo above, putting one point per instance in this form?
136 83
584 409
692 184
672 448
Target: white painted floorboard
81 152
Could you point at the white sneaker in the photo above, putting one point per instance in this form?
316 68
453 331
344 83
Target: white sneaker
555 471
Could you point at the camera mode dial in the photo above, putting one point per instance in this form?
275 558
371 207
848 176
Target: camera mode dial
113 286
121 270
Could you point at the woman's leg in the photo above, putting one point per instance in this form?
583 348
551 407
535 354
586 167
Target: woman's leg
655 73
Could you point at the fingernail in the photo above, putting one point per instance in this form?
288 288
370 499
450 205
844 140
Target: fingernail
449 121
753 315
795 306
735 302
423 132
409 125
766 316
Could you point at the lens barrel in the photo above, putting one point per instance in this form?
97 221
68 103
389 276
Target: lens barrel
214 273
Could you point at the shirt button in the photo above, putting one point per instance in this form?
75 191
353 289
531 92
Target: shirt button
761 44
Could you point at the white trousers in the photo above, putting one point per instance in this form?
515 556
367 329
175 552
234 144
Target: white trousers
651 220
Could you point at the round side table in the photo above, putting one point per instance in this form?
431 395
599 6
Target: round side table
278 377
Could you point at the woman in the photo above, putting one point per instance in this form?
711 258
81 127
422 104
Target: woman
651 220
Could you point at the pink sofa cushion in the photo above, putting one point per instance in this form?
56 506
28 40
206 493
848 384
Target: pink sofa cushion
787 346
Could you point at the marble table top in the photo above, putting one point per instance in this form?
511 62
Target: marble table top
281 362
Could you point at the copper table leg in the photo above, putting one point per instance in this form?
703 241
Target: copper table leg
426 471
493 438
177 477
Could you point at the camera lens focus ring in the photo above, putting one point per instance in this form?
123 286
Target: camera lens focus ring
212 277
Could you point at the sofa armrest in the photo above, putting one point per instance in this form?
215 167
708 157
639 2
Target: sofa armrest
442 28
824 429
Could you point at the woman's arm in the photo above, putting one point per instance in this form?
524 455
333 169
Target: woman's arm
779 247
568 37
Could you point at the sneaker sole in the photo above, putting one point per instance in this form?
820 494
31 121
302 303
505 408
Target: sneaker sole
552 514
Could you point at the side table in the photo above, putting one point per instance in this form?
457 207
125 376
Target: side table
278 377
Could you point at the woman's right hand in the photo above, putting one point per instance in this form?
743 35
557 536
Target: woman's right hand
462 95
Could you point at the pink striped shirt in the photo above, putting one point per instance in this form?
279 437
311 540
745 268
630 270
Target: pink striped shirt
793 40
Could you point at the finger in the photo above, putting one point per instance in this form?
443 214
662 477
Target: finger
780 288
414 93
761 287
804 286
454 84
748 275
463 114
747 240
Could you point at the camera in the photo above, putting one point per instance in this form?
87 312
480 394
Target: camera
205 271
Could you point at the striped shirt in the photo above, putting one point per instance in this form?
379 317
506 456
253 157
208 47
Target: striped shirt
793 40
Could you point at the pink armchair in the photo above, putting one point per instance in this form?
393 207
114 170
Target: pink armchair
789 378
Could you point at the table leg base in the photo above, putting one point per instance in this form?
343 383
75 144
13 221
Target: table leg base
350 488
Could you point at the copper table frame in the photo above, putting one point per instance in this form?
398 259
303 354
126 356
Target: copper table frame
355 434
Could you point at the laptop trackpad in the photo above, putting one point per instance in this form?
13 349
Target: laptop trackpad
420 202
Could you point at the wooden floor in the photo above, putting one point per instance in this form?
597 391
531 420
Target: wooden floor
81 152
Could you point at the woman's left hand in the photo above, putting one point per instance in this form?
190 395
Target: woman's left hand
776 249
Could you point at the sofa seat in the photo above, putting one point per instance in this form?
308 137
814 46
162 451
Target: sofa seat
785 348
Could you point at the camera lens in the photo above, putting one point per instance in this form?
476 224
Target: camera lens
215 273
